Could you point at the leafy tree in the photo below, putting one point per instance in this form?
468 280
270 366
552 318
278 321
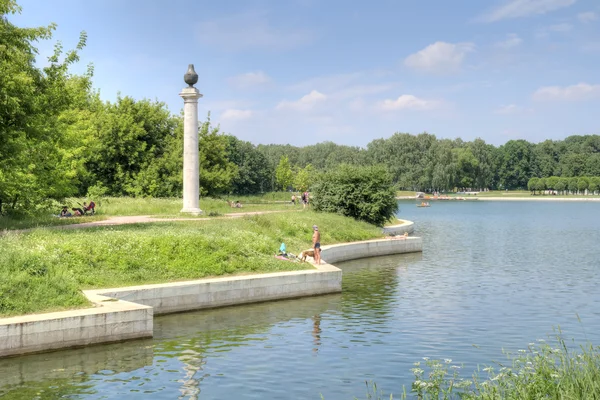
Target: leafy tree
32 166
582 184
562 184
541 185
551 182
363 192
129 138
283 173
573 183
303 178
594 184
254 171
533 184
516 164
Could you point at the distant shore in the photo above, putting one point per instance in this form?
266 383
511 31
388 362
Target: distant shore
507 198
538 198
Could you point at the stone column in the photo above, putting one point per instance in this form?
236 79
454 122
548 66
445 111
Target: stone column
191 159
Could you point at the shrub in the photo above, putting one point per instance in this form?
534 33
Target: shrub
363 193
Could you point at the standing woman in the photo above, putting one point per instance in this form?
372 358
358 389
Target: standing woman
316 239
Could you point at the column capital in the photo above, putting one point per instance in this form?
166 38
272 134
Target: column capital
190 94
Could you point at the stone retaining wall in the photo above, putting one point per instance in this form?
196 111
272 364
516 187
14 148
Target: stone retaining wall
109 321
219 292
400 229
371 248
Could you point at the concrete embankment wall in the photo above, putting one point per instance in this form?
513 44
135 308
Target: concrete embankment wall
371 248
109 321
400 229
220 292
127 313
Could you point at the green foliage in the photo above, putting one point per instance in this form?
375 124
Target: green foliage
32 166
254 171
283 173
303 178
363 193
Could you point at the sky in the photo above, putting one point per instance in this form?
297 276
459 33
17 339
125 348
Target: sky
308 71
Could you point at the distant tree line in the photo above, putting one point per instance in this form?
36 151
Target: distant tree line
59 139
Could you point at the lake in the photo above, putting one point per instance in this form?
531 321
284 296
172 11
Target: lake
492 276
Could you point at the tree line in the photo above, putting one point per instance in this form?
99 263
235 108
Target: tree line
59 139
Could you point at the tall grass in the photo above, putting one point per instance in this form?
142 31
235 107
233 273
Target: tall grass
542 371
43 269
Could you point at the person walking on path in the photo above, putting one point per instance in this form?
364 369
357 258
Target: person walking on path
316 239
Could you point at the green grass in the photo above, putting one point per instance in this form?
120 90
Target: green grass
542 371
44 269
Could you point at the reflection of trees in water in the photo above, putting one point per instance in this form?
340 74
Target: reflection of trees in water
369 286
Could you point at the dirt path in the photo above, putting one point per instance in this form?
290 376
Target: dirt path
138 219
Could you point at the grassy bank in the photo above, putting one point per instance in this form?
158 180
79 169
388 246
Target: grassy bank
44 269
543 371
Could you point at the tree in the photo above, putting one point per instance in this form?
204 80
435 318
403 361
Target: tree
362 192
303 177
551 182
541 185
582 184
594 184
532 184
562 184
283 173
254 172
573 183
32 168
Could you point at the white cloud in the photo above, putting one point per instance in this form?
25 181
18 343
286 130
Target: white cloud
589 16
509 109
524 8
439 57
233 114
557 28
250 79
305 103
512 40
249 31
408 102
581 91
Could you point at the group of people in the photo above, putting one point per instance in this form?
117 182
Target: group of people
316 245
78 211
235 204
303 197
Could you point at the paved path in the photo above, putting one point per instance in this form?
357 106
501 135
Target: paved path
138 219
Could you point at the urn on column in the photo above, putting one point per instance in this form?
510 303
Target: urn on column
190 77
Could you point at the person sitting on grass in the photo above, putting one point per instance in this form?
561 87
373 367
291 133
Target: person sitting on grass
238 204
77 211
282 250
91 207
65 212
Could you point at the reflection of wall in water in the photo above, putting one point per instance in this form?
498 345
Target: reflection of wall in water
64 365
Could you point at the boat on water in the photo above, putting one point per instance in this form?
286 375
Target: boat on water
424 204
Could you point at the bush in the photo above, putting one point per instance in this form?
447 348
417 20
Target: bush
363 193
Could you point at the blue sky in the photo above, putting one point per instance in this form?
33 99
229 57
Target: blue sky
308 71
